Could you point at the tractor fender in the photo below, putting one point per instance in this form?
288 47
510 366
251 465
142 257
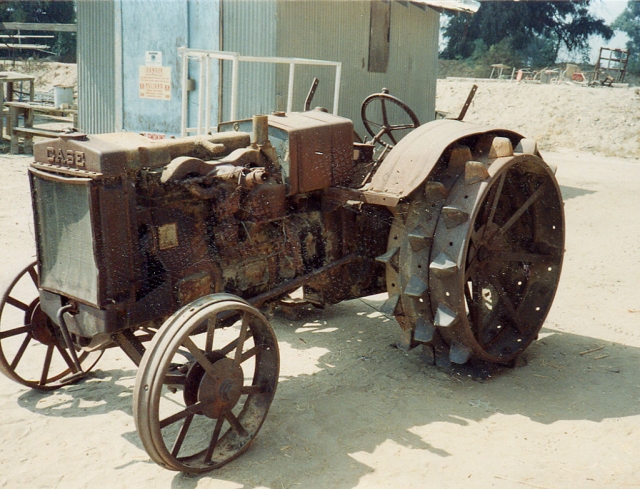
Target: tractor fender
413 159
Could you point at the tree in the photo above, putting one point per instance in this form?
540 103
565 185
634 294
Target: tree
629 22
40 12
528 27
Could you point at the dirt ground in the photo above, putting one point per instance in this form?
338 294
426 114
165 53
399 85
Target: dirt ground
353 411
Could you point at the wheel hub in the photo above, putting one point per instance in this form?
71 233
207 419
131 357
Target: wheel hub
221 390
42 327
483 254
218 390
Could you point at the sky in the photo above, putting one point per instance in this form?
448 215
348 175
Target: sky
608 10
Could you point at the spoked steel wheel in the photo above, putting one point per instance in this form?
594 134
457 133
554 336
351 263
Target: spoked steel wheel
474 256
32 349
205 384
496 258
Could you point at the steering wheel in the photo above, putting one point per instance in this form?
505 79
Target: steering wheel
377 121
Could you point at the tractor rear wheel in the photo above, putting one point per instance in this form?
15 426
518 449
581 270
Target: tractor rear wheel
474 258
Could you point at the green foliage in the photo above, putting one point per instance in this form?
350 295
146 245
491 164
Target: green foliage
483 57
540 52
629 22
51 12
534 30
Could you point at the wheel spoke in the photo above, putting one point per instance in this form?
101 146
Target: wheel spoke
174 379
248 354
177 444
67 359
490 210
199 356
472 257
518 257
214 438
47 364
211 327
33 273
15 332
504 297
514 218
469 299
242 337
400 127
252 389
21 351
190 410
478 304
235 424
16 303
385 119
232 345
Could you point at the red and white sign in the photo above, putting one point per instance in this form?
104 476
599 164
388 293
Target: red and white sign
155 82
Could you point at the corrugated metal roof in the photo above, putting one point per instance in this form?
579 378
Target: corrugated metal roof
469 6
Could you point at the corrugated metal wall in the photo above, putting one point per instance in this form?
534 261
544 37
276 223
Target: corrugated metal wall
339 31
249 28
97 66
109 53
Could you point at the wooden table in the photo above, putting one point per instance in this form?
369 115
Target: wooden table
10 78
29 110
500 67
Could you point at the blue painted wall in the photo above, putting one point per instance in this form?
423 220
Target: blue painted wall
166 25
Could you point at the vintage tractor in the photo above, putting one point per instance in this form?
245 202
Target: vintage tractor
184 241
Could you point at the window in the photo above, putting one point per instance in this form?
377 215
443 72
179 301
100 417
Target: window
379 36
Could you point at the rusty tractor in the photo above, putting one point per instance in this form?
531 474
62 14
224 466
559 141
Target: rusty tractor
171 249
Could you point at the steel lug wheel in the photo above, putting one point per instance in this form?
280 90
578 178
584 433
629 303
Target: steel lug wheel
474 256
496 259
205 384
32 349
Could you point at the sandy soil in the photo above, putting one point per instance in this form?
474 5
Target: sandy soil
600 120
47 74
353 411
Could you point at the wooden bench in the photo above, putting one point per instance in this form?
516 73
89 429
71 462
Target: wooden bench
27 132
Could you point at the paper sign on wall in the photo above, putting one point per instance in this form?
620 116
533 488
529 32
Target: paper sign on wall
155 82
153 58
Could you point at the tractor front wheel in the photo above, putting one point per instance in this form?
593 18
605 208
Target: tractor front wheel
205 384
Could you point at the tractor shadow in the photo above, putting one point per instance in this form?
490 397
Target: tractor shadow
346 392
355 393
101 391
572 192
